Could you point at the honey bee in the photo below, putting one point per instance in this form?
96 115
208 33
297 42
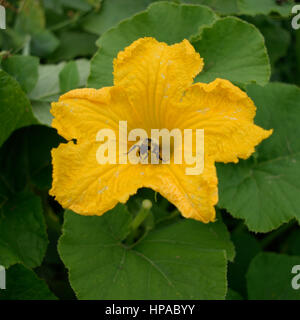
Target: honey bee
145 147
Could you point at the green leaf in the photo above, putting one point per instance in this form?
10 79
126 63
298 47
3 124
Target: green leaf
276 37
247 7
269 277
15 109
69 77
291 244
183 260
48 89
24 69
220 6
233 295
54 5
227 54
11 39
83 66
233 49
95 3
255 7
246 247
23 236
31 21
31 17
69 48
82 5
168 22
297 55
111 13
43 43
25 158
264 190
23 284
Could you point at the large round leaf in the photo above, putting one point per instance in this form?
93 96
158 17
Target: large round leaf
23 236
264 190
220 6
235 50
255 7
247 7
164 21
232 49
183 260
270 277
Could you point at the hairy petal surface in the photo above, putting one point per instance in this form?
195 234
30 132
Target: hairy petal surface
193 195
153 74
226 114
83 185
81 113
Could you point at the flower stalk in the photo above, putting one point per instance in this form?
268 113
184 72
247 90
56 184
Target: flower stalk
141 216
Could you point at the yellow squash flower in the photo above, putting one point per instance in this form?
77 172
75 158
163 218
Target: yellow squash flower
153 89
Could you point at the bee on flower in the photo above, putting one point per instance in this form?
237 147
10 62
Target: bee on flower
153 89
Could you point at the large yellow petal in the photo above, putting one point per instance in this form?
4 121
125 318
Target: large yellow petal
83 185
193 195
81 113
153 74
88 188
226 114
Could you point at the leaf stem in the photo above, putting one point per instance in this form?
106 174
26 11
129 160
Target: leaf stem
26 48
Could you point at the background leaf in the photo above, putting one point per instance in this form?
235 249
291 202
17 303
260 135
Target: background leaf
291 244
227 55
264 189
247 247
274 272
247 7
70 48
15 109
25 158
23 284
24 69
69 77
233 295
23 235
220 6
111 13
31 18
164 21
183 260
276 37
48 88
43 43
254 7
